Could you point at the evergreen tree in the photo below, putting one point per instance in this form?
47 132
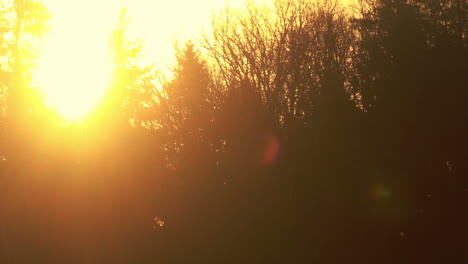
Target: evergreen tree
190 101
130 97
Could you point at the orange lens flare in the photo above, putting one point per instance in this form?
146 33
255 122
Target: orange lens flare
271 150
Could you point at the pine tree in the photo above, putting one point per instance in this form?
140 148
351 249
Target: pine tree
130 95
190 104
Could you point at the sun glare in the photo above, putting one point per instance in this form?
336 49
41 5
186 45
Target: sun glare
75 67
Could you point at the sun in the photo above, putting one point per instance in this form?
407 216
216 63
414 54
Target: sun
75 67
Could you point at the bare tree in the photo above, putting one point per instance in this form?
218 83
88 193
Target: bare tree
290 53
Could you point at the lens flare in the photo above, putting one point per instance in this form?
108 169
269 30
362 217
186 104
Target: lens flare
271 150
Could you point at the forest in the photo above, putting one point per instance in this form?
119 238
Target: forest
305 131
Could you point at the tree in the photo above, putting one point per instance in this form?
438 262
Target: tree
409 79
130 97
22 22
190 102
292 54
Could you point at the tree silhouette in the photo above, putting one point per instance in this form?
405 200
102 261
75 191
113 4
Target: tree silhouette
130 93
190 101
405 89
22 21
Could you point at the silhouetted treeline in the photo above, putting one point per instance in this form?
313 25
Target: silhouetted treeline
298 132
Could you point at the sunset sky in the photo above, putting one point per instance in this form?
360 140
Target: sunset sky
159 23
80 35
162 22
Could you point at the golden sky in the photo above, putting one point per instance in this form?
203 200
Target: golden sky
160 23
75 65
